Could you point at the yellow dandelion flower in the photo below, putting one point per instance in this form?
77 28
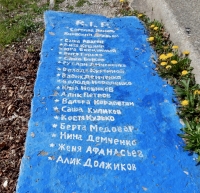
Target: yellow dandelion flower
174 62
121 1
140 15
169 55
175 47
184 72
155 28
168 67
197 92
163 57
152 26
186 52
184 102
150 39
163 63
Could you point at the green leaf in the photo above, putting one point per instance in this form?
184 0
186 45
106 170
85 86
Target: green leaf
198 160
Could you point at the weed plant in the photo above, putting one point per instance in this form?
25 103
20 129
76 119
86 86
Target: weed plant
80 3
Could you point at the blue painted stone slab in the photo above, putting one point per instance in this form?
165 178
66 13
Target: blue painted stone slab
102 119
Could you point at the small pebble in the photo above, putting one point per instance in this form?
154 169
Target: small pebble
5 184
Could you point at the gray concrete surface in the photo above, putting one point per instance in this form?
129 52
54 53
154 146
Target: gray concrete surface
181 19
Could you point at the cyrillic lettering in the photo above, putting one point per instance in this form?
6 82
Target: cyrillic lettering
60 159
88 163
122 167
61 147
90 138
116 166
63 135
122 142
108 166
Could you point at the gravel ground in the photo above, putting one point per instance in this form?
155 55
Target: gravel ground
18 71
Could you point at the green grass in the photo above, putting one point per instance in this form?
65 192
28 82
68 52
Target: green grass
70 8
57 2
13 29
12 5
80 3
17 18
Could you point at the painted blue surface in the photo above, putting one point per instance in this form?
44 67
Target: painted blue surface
157 163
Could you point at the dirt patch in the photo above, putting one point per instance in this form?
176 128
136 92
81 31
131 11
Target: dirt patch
18 67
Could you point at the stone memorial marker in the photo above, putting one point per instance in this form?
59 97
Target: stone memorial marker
102 119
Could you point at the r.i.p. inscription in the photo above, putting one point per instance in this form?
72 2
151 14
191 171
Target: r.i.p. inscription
102 120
